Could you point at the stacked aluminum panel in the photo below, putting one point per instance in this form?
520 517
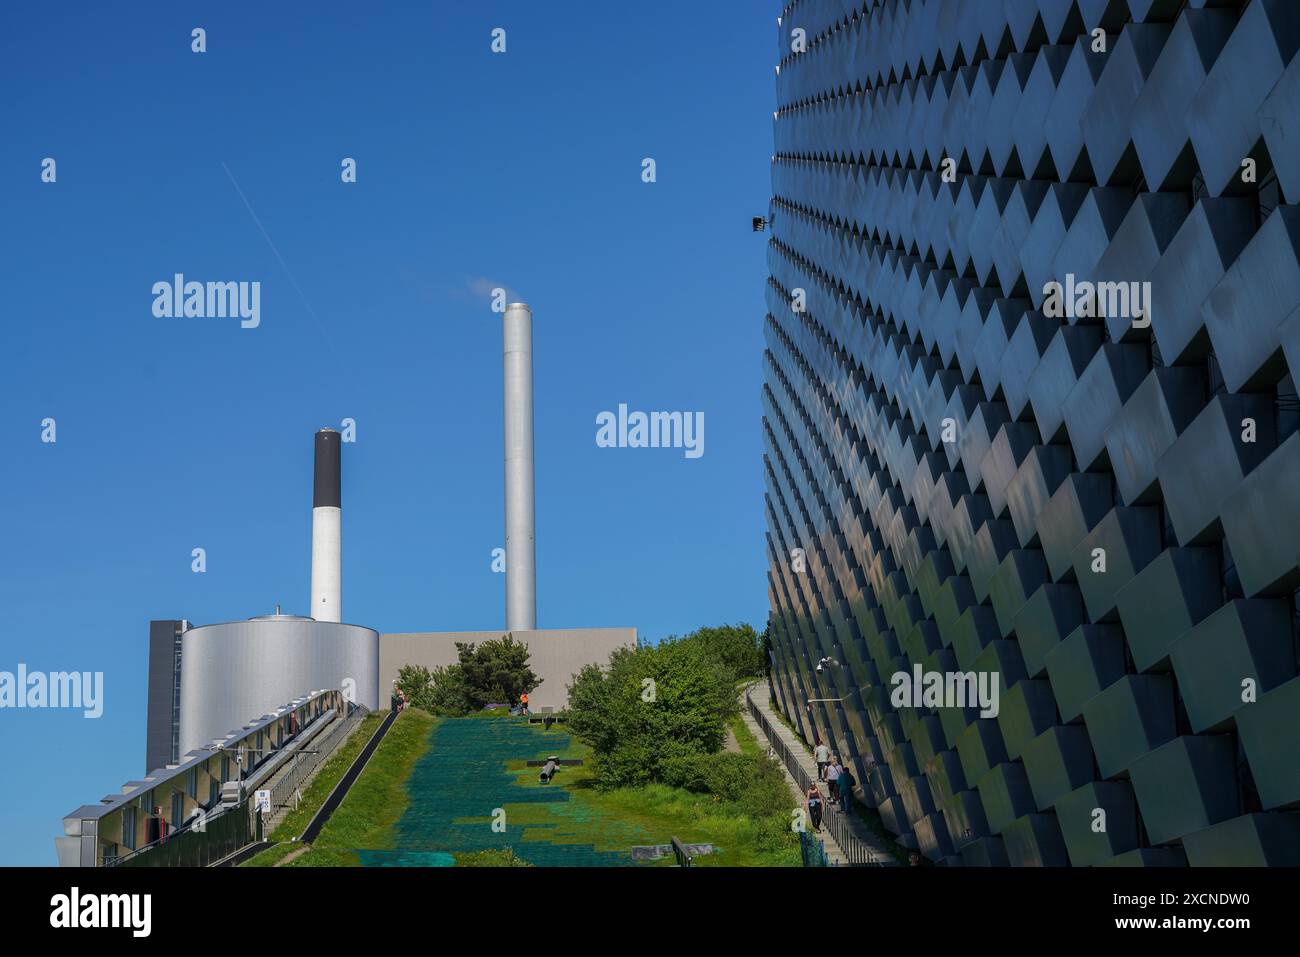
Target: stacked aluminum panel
1100 505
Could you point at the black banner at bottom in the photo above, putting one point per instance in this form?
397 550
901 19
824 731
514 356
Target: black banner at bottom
300 906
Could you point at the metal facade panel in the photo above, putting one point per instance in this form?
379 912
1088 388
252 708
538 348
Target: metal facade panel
1079 499
236 672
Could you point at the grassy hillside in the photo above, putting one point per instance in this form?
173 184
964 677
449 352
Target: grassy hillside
434 787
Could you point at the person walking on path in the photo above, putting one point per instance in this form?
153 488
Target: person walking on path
832 778
823 755
815 807
846 789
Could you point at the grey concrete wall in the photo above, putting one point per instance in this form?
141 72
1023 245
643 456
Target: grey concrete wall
555 655
159 746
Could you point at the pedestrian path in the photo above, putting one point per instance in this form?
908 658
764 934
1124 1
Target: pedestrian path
834 855
877 848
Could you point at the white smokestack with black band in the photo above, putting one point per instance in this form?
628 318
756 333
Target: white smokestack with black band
521 556
327 530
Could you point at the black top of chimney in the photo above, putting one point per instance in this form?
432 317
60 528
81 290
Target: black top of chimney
326 492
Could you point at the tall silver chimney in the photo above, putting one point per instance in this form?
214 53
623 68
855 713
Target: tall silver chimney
521 554
327 530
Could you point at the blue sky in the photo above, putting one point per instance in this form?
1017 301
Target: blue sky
475 170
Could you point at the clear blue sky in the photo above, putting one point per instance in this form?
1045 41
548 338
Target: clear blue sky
474 170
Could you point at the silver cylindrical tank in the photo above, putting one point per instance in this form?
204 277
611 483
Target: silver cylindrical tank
235 672
521 556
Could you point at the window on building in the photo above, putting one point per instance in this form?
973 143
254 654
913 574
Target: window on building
128 827
178 810
214 792
192 783
176 696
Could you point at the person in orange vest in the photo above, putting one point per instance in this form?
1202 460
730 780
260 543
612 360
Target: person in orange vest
523 702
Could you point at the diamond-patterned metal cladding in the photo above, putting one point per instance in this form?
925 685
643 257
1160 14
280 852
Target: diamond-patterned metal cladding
947 453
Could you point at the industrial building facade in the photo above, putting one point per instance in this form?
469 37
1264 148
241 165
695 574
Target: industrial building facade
1029 410
211 687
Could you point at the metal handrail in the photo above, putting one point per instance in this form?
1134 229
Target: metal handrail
856 852
679 851
305 762
302 763
210 813
224 839
812 851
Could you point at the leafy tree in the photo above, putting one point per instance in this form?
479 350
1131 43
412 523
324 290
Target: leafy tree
651 705
737 647
414 681
496 671
449 693
658 713
440 691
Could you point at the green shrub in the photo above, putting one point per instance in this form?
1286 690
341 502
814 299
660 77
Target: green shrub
652 705
494 672
768 792
449 692
753 781
441 691
772 832
738 648
689 771
725 775
505 857
752 786
628 766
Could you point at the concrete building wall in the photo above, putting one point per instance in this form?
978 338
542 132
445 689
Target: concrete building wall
555 655
161 731
236 672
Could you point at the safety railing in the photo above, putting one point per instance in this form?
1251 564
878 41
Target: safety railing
216 833
779 748
202 842
679 852
856 852
284 793
812 850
